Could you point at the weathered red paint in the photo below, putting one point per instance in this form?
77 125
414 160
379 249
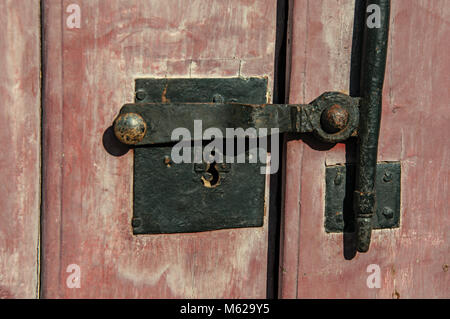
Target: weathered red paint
87 214
414 258
20 155
89 73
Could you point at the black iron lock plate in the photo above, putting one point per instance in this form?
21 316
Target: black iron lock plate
340 180
194 197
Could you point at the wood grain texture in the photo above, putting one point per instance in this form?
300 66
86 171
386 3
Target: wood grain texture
415 126
20 118
90 74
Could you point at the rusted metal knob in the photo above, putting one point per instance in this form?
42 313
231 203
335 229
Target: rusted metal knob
334 119
130 128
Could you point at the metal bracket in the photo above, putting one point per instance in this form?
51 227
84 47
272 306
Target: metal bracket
340 183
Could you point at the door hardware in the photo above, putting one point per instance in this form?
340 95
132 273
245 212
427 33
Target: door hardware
340 183
193 197
333 117
373 65
163 105
171 197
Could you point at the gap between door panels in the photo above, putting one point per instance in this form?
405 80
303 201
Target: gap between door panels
41 177
282 75
280 96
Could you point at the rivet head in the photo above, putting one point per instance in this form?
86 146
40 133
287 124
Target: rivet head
141 95
168 161
388 212
334 119
387 177
130 128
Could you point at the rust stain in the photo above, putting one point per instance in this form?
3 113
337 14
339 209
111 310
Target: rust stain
395 294
167 161
210 181
164 99
445 267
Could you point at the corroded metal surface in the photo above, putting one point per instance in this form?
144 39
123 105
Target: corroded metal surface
334 119
130 128
181 198
164 117
340 182
372 78
323 103
212 196
193 197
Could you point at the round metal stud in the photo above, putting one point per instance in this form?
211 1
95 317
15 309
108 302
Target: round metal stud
334 119
388 213
130 128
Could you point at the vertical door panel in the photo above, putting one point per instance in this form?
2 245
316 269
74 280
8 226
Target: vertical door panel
413 259
20 121
89 74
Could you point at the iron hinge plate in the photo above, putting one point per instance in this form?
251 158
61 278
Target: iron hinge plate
340 179
171 198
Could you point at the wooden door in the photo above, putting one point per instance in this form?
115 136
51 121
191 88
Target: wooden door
89 73
20 160
66 192
413 259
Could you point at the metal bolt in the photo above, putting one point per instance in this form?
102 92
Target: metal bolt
387 177
388 212
141 95
130 128
334 119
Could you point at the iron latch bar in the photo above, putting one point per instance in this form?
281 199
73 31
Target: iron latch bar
333 117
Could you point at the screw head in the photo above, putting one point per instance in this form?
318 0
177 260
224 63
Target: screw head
334 119
130 128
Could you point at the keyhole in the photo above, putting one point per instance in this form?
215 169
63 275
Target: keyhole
213 176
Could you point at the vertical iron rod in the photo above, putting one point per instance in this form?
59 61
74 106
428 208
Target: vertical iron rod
372 77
